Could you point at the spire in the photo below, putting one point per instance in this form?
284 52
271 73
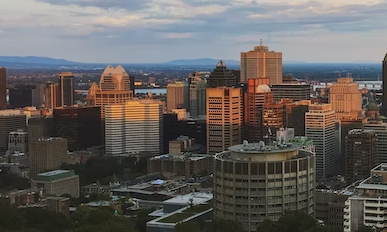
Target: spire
221 64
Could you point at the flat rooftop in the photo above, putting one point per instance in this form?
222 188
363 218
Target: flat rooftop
54 175
193 157
11 113
261 147
197 198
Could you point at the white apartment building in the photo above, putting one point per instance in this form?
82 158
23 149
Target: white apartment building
369 206
321 129
136 126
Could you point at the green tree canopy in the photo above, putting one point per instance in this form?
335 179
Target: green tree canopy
223 225
187 227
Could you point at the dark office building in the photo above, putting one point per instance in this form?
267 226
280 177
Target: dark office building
3 89
237 74
194 128
66 89
360 154
10 120
384 70
222 77
171 129
295 116
132 79
81 126
41 127
297 92
21 95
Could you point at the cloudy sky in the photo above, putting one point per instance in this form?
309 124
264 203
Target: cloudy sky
139 31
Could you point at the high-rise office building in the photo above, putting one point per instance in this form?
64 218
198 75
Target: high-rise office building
384 75
261 63
81 126
345 97
274 116
41 127
197 94
258 93
136 126
46 154
295 116
360 154
221 76
294 91
114 88
51 96
178 96
38 95
381 132
3 89
26 95
10 120
224 118
66 89
257 181
320 127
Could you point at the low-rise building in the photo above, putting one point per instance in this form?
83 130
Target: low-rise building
18 142
57 183
59 205
193 207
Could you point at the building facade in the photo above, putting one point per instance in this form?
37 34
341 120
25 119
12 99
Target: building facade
261 63
3 88
46 154
221 76
178 96
51 95
295 91
136 126
320 127
360 154
258 93
197 94
224 118
10 120
254 182
384 76
18 142
57 183
80 125
381 132
66 89
345 97
295 116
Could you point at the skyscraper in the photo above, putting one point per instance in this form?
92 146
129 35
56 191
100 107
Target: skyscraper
51 95
321 128
113 88
10 120
360 155
178 96
197 93
261 63
66 89
258 93
294 91
345 96
3 89
21 96
384 70
136 126
81 126
222 77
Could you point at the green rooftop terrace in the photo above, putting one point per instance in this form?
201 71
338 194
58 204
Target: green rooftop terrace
181 216
54 175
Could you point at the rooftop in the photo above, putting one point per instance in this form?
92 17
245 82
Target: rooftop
197 198
261 147
54 175
11 113
186 157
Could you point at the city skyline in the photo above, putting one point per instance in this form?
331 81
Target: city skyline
163 30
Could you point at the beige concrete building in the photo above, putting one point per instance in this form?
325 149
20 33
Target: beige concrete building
254 182
320 127
51 95
224 118
345 96
261 63
113 88
18 142
179 145
46 154
136 126
57 183
178 96
10 120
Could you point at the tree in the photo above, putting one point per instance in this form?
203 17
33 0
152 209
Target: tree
367 229
295 221
187 227
224 225
141 219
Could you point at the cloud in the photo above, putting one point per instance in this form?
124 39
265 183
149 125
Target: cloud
200 25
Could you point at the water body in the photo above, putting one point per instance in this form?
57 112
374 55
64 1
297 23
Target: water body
156 91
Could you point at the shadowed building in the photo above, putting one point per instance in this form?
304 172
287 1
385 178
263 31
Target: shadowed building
10 120
384 69
197 94
222 77
66 89
81 126
294 91
178 96
51 97
3 89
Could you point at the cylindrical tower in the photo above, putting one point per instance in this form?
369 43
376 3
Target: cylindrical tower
254 182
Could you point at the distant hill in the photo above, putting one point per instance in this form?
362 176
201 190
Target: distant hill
204 61
35 60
